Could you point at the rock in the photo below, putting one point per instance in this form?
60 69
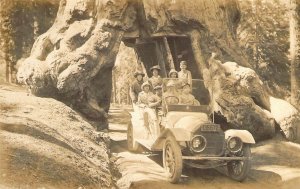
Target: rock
287 116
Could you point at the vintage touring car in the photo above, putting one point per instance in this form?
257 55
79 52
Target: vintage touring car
190 137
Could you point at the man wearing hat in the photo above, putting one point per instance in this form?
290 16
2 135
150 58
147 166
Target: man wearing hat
184 74
136 86
186 98
155 80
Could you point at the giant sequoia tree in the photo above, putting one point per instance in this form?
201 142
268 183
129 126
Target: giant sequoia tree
295 51
73 60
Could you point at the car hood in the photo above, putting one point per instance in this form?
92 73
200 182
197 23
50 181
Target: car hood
189 121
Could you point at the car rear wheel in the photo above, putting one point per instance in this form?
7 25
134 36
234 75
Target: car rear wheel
172 159
131 144
238 170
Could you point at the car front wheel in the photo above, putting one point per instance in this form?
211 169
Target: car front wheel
239 169
172 159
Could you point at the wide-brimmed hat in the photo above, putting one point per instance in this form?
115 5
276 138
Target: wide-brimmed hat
139 73
183 62
155 68
157 87
172 71
146 84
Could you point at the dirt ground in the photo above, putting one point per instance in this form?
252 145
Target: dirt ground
45 144
275 165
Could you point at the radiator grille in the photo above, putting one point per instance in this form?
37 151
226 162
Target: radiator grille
215 143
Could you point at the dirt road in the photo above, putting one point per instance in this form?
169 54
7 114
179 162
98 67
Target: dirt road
275 165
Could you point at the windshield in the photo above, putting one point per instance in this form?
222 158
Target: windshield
189 95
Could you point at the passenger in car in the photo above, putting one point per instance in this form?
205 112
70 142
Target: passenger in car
155 102
185 75
144 96
171 96
136 88
155 80
186 98
173 74
147 102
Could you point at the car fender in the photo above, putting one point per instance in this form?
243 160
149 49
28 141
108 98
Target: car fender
179 134
244 135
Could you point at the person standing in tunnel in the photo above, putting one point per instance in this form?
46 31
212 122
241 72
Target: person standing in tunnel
136 88
185 75
155 80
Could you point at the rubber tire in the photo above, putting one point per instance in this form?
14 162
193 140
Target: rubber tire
175 177
246 167
131 145
291 135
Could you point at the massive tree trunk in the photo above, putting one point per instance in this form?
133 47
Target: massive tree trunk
295 51
73 60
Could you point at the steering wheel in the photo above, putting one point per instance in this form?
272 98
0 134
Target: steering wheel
175 97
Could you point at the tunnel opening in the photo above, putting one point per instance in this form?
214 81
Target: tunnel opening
167 51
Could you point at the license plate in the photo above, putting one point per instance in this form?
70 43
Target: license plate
210 128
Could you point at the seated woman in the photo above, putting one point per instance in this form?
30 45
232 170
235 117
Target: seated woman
186 98
173 74
155 80
147 102
171 95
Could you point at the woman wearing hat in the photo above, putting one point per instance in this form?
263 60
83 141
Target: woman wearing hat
173 74
155 80
136 88
144 96
146 100
184 74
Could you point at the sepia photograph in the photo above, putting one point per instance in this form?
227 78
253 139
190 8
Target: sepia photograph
149 94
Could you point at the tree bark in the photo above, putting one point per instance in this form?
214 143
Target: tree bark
295 51
73 60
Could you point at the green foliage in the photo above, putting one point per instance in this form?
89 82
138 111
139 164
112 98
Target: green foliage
264 36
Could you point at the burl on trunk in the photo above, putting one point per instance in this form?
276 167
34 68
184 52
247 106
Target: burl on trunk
73 60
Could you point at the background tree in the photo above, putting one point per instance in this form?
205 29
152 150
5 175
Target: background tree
125 66
294 51
20 24
264 37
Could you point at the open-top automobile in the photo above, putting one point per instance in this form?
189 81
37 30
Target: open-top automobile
189 136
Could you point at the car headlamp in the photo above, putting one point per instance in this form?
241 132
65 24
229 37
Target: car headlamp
234 144
198 143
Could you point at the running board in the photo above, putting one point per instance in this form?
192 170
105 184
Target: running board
214 158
